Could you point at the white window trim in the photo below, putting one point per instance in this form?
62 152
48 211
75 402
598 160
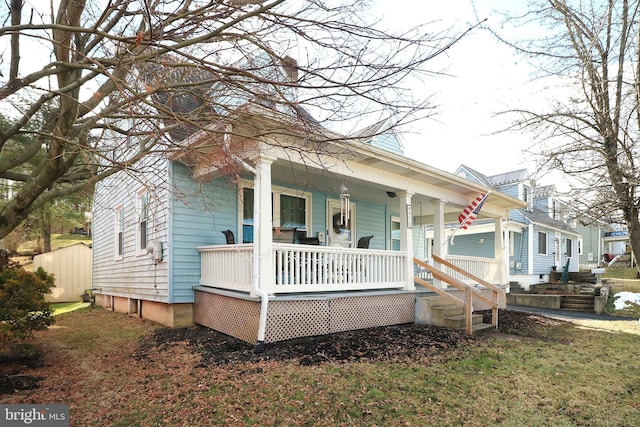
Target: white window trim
118 227
275 191
393 219
580 246
526 193
139 209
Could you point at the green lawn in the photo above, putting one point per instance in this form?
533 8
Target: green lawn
66 307
57 241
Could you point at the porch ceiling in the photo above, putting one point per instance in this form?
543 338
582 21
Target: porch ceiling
376 191
328 183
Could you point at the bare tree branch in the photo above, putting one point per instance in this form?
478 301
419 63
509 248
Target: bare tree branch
592 134
126 81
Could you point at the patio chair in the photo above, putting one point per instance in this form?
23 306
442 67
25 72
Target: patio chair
231 239
363 242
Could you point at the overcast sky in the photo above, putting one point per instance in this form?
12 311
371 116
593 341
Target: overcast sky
485 78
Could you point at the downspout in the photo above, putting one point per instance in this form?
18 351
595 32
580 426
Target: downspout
264 297
257 197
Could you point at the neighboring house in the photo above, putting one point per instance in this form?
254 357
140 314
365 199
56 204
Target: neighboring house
160 251
540 239
593 244
7 189
71 268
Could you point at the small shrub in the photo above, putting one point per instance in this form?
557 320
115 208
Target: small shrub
23 308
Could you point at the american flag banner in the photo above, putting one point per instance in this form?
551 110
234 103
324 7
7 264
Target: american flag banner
470 213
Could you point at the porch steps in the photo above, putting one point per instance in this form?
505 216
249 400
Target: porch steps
439 311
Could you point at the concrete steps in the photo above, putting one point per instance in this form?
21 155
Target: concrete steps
574 276
577 302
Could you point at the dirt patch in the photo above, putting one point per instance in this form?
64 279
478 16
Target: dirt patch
11 366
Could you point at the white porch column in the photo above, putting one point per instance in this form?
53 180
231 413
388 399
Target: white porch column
406 241
500 242
439 237
530 252
263 223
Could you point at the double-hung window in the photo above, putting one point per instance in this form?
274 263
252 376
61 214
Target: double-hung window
291 209
569 248
247 215
542 243
142 210
395 233
119 232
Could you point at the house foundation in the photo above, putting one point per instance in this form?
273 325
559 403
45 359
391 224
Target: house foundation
172 315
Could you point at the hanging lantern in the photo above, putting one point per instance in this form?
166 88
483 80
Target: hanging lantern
344 205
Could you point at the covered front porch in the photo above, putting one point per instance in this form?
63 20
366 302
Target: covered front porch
323 290
258 288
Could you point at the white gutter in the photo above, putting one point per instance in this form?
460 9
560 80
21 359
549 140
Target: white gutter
264 297
257 252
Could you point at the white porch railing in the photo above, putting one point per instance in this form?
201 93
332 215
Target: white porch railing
227 267
303 268
491 270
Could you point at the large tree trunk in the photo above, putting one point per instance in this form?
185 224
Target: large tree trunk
633 226
46 231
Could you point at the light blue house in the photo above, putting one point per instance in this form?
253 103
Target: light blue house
296 201
542 236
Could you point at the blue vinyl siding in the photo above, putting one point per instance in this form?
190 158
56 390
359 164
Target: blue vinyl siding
200 211
520 253
387 141
134 274
510 190
469 245
542 263
469 175
517 216
371 222
318 214
542 203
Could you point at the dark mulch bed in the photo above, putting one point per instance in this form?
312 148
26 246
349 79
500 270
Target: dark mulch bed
382 343
374 344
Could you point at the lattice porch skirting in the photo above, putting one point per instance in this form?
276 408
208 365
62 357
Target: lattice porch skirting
290 317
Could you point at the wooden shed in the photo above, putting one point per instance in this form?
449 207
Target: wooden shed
71 267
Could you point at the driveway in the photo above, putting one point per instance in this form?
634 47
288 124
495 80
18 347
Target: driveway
568 315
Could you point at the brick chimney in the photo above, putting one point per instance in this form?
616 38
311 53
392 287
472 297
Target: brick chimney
290 67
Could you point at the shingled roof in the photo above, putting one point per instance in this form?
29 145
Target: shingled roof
197 96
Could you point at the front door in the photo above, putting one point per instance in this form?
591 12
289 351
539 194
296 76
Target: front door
340 233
